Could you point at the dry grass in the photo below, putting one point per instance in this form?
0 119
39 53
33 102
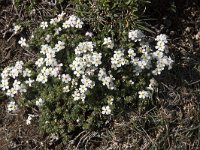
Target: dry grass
172 122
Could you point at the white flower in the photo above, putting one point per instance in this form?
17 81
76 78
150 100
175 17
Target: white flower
96 58
79 23
87 82
66 78
143 94
66 24
44 25
66 89
162 38
82 89
169 62
106 80
39 62
42 78
50 61
60 16
89 34
59 46
5 73
11 92
27 73
73 21
12 107
108 42
158 54
118 59
106 110
131 53
136 35
29 82
56 70
152 84
17 28
23 89
39 102
14 73
131 82
28 120
57 30
142 64
76 95
4 85
110 101
84 47
22 42
54 21
17 85
45 49
48 38
160 46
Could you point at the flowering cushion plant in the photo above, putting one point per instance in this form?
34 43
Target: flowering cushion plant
80 80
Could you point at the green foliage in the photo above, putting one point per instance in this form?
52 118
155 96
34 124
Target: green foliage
111 18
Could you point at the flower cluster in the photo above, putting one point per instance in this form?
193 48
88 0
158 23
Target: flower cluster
80 93
73 21
13 75
108 42
89 68
118 59
159 55
39 102
57 19
136 35
106 80
48 63
149 56
84 65
12 107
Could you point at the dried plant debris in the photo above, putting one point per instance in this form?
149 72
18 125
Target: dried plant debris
171 122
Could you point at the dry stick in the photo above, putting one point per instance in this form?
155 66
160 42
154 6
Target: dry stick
28 52
85 139
81 140
6 30
72 141
41 16
195 82
11 37
78 135
14 6
22 8
153 142
90 137
190 129
47 13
